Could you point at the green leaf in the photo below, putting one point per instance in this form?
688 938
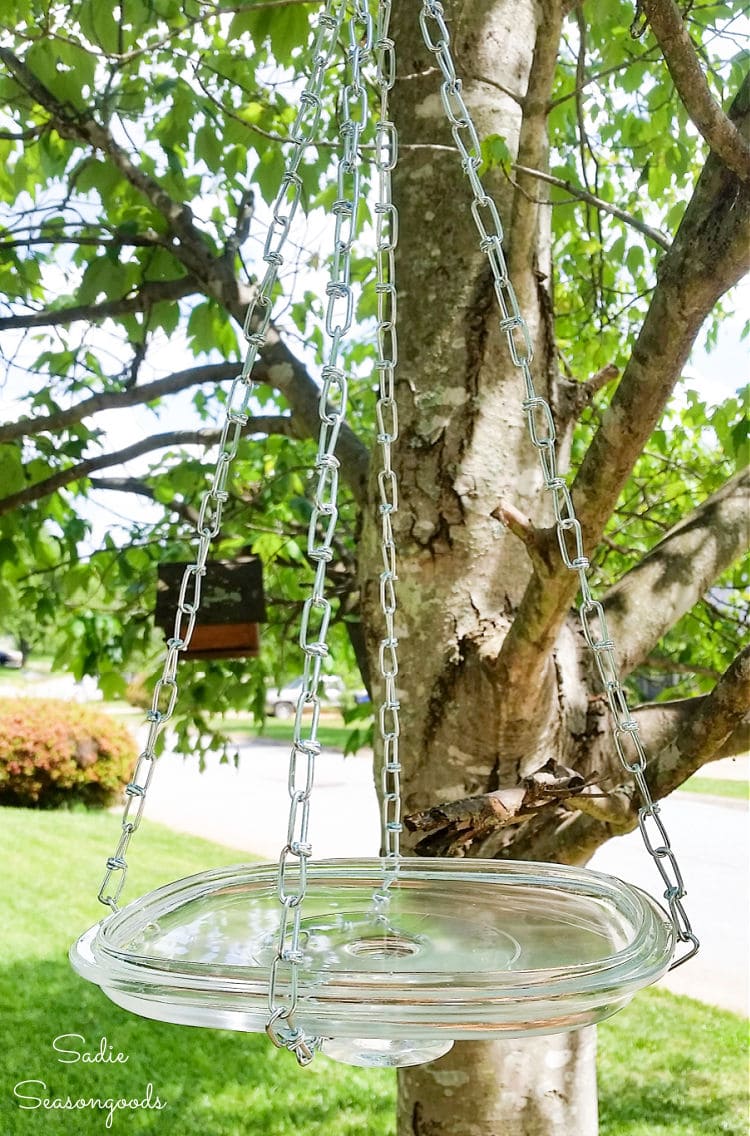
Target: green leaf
208 147
101 278
99 175
200 328
495 153
635 259
112 684
12 478
740 437
99 25
165 315
173 161
269 172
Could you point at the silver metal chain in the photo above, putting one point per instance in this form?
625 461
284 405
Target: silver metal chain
541 427
386 239
283 990
236 415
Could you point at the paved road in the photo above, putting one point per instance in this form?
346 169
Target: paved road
246 809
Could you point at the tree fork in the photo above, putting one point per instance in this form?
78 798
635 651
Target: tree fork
710 253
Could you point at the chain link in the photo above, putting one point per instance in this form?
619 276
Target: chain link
541 428
236 415
386 411
283 991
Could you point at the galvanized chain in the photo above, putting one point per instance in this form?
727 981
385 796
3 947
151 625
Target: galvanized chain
283 990
386 239
236 415
541 427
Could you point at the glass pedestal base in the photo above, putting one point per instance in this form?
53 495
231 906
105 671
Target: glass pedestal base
371 1053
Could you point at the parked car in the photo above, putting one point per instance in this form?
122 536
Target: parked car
10 657
282 703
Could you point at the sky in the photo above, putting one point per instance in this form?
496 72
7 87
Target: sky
719 374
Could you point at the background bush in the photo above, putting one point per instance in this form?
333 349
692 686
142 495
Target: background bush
54 753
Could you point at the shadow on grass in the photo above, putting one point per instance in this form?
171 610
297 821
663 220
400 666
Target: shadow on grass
671 1066
218 1083
215 1083
667 1104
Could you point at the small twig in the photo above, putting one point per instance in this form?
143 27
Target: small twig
583 195
24 135
657 663
245 211
645 57
141 489
514 95
584 392
142 240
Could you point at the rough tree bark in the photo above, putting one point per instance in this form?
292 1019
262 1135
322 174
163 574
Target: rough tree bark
463 449
477 716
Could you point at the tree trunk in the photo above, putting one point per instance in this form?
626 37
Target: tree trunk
463 448
538 1086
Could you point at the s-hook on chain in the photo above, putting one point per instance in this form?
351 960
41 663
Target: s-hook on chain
541 427
283 991
208 524
386 239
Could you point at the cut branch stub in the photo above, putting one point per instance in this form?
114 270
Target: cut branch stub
453 828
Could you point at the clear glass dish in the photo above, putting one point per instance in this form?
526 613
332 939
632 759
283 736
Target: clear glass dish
473 949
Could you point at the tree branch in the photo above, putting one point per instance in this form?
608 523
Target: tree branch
681 736
685 739
456 828
531 537
652 596
270 424
605 206
533 148
134 485
23 135
662 663
150 293
215 274
710 253
82 127
644 57
680 56
573 397
114 400
136 240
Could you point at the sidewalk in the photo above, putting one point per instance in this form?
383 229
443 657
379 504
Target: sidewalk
728 769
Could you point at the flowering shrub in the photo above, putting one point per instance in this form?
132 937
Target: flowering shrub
54 752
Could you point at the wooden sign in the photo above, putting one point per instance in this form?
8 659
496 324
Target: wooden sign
231 608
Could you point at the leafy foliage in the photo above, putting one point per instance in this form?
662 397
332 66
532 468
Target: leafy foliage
198 98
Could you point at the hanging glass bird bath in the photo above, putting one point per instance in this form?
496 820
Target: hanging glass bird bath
384 961
479 950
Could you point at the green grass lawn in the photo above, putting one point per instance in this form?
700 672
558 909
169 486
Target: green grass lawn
332 734
717 787
668 1066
